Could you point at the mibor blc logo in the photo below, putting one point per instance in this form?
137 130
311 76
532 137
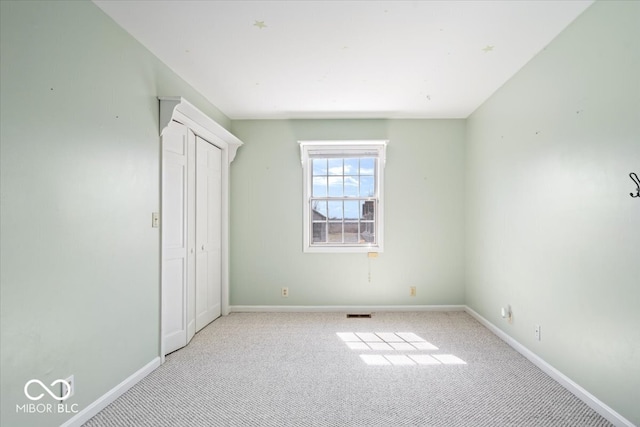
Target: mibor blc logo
65 386
35 390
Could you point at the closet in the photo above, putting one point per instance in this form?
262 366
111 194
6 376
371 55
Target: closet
196 154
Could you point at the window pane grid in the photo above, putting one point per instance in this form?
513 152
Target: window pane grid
341 224
344 177
343 200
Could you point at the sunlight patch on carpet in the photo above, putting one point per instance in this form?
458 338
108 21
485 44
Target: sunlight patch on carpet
405 342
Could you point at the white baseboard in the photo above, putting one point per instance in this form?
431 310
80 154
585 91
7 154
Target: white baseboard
582 394
87 413
340 308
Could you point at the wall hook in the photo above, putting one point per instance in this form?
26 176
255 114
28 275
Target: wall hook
635 179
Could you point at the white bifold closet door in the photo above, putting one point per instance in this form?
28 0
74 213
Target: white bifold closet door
191 235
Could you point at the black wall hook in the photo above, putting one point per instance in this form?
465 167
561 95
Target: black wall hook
635 179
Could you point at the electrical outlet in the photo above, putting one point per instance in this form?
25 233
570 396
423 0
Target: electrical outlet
67 392
285 292
507 314
412 291
155 219
538 332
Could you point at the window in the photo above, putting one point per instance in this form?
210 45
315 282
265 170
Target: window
342 203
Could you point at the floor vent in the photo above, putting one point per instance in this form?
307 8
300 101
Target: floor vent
358 316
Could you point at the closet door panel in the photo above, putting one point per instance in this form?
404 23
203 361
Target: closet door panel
208 232
174 237
191 235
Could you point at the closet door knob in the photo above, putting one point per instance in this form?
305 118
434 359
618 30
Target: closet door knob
203 247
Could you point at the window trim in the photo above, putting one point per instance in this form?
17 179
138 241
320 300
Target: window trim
377 148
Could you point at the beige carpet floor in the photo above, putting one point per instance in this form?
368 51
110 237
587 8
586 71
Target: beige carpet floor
322 369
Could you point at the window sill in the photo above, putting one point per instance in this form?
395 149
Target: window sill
342 249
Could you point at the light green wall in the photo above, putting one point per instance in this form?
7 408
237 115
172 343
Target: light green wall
552 229
79 180
423 230
541 171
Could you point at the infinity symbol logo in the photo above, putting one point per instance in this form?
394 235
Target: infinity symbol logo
66 387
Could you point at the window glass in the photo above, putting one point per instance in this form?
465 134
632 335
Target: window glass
319 186
367 186
336 186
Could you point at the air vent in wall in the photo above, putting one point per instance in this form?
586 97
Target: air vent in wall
358 316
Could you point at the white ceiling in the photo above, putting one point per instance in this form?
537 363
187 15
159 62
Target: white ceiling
345 59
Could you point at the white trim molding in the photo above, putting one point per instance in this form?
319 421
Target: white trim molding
105 400
582 394
379 147
341 308
176 108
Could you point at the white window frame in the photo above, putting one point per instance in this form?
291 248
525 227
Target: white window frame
350 148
